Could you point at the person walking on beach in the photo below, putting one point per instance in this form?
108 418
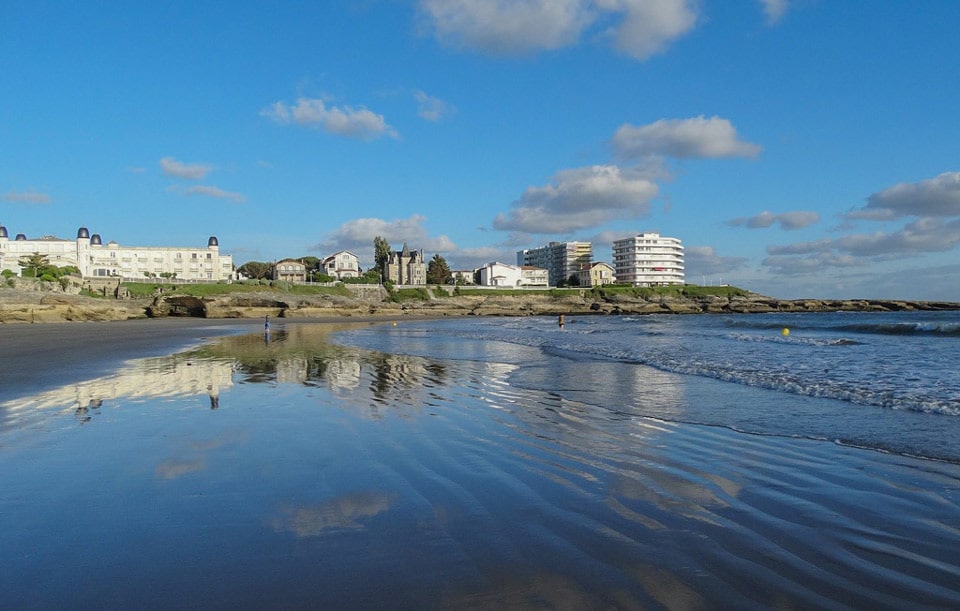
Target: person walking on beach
560 322
266 324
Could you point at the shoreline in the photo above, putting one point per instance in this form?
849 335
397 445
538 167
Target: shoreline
43 356
22 307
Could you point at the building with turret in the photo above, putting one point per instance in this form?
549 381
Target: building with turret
406 266
95 259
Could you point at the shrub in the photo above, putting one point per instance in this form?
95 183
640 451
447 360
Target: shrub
417 294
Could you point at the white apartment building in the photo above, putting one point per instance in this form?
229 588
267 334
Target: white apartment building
560 259
648 259
93 258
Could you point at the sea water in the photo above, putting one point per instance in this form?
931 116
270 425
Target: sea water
619 462
891 381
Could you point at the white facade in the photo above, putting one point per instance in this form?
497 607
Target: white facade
560 259
647 259
512 276
531 276
343 264
94 259
462 276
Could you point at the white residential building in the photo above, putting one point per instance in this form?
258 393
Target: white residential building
512 276
343 264
561 259
647 259
462 276
93 258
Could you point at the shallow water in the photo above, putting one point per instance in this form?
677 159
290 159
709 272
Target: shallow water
300 473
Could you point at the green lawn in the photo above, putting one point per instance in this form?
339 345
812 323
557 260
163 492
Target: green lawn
147 289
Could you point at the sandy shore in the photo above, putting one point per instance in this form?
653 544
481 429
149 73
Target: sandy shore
38 357
475 475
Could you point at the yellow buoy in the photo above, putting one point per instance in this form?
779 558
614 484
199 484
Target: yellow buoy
394 324
785 332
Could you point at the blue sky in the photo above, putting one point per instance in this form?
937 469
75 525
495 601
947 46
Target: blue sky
799 148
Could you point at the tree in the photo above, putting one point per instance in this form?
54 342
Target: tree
438 272
311 263
32 265
256 269
381 254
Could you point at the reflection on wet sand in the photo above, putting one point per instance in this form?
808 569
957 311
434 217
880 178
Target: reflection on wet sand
192 457
173 468
296 354
302 354
344 512
168 377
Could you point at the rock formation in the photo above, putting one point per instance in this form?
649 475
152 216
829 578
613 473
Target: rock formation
23 306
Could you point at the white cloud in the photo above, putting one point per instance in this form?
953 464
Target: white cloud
511 27
215 192
357 236
787 220
925 235
190 171
472 258
430 108
698 137
816 263
578 199
702 261
774 10
938 197
507 27
342 121
26 197
648 26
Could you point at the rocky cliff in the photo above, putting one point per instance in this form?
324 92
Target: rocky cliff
20 306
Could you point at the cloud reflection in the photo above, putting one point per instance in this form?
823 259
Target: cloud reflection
342 513
173 468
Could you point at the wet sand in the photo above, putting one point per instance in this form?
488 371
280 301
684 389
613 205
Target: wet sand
437 480
38 357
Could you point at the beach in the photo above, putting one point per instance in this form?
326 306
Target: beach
616 463
42 355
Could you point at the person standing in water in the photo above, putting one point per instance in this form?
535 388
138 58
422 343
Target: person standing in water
560 321
266 324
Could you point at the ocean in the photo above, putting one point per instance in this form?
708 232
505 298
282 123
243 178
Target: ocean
685 462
